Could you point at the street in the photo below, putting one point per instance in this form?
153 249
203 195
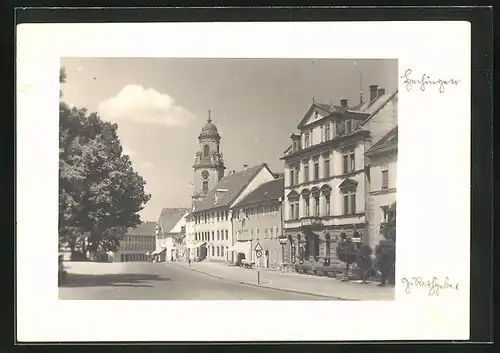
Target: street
158 281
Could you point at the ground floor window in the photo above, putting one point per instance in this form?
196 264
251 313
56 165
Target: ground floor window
221 251
218 251
213 251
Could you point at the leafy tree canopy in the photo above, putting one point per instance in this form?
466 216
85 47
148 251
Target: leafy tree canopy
100 194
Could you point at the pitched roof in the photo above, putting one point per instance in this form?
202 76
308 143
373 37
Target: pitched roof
170 217
147 228
272 190
389 140
232 184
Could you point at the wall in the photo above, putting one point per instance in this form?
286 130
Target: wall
378 197
214 225
137 245
383 122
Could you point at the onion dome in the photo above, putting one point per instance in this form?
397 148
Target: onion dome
209 130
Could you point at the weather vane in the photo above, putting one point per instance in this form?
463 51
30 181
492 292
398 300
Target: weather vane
209 118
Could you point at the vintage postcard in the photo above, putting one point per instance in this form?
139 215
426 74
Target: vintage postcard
208 171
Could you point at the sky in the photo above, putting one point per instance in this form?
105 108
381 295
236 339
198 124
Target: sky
161 104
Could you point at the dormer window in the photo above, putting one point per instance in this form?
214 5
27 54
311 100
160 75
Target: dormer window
348 126
307 140
340 128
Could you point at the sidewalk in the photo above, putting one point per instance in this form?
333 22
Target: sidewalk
294 282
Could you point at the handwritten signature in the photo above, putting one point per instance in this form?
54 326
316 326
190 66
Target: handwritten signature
426 80
434 286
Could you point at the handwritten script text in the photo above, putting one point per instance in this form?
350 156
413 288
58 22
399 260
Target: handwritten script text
434 286
425 80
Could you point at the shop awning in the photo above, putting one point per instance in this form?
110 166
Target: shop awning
241 246
157 251
193 245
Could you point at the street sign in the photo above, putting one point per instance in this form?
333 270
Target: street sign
258 247
258 253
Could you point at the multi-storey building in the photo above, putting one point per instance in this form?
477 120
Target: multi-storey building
382 159
213 218
325 179
170 229
258 219
137 243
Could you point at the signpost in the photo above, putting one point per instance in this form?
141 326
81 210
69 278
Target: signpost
258 254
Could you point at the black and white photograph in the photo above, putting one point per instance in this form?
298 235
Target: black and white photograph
245 179
197 171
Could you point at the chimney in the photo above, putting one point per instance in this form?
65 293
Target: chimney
343 103
245 166
373 92
381 92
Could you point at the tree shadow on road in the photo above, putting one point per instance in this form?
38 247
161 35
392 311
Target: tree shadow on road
112 280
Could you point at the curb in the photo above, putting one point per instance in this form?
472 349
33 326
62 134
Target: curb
267 287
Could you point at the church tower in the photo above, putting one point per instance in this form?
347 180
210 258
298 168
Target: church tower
208 165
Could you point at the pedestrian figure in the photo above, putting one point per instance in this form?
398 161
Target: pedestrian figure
172 258
189 262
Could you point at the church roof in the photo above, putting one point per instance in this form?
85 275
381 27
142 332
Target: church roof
232 184
270 191
209 130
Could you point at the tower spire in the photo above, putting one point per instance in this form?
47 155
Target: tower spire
209 118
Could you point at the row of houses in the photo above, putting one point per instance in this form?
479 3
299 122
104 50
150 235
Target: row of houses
339 177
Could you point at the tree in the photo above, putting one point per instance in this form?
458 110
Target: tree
100 194
364 260
346 252
385 251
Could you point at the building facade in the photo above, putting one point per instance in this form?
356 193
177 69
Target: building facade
325 181
258 219
170 227
136 244
382 159
213 216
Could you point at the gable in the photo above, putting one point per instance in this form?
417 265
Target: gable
315 113
348 184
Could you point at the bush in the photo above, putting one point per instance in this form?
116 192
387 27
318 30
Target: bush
364 260
346 252
386 256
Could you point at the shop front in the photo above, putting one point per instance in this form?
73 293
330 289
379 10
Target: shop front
313 246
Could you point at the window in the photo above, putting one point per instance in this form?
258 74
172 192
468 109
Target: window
307 140
227 234
292 174
218 251
213 235
348 126
294 209
257 232
221 251
385 179
266 233
271 230
226 213
327 132
205 186
306 207
316 170
349 162
218 235
213 251
316 206
218 216
327 204
340 128
326 171
206 150
349 203
306 173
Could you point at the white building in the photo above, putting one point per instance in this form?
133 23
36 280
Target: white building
382 159
169 228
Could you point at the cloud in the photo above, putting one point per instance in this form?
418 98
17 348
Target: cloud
137 104
79 69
